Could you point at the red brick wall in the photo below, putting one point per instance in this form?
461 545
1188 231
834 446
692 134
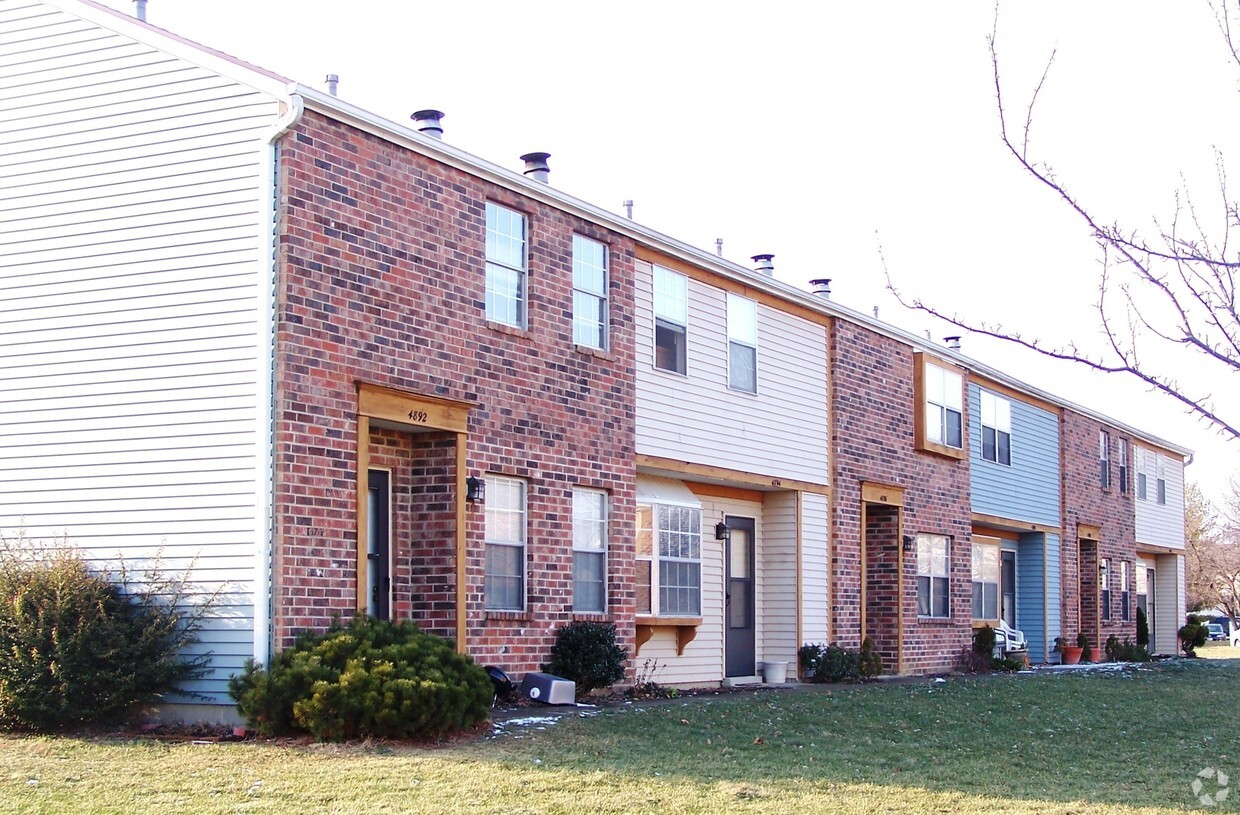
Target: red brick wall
1086 502
872 409
381 280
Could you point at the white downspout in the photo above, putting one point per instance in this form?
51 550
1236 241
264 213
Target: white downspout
265 429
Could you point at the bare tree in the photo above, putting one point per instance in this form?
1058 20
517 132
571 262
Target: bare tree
1173 291
1201 539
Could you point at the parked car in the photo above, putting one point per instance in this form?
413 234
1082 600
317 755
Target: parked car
1216 632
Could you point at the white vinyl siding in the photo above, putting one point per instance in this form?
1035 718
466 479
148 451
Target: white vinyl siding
777 556
781 431
133 326
1160 524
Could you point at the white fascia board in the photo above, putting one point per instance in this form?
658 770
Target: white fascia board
239 71
410 138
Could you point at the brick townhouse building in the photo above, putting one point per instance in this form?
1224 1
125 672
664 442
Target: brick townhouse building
332 365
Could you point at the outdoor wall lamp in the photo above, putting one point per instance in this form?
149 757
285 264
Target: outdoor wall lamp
475 490
721 531
909 542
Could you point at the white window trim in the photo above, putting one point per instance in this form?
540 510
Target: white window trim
1104 587
523 544
604 301
1104 459
655 559
993 401
683 327
606 522
996 545
736 298
522 271
947 563
944 407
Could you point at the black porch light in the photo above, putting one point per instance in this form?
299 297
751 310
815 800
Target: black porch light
475 490
721 531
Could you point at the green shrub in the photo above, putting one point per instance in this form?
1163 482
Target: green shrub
1193 635
870 662
984 641
1082 642
830 663
77 647
587 653
373 678
1143 629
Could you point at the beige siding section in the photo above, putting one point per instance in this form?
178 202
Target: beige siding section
778 553
1160 524
1169 602
134 339
702 662
780 431
815 568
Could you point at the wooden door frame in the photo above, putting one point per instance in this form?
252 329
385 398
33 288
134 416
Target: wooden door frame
410 412
873 492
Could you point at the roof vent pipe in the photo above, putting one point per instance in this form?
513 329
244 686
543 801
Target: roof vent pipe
536 166
762 263
427 122
628 209
719 247
139 9
333 83
821 287
952 342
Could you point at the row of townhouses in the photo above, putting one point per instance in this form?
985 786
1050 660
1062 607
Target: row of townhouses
332 363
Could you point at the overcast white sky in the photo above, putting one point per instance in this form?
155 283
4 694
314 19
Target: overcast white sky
815 130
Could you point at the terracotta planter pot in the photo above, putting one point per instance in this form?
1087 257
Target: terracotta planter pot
1071 654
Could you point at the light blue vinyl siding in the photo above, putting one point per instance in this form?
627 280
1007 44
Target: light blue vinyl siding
1037 592
1028 490
1030 597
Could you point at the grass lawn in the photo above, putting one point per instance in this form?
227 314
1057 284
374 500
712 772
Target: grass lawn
1106 742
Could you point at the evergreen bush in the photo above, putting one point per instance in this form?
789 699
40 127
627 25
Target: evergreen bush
371 678
587 653
79 646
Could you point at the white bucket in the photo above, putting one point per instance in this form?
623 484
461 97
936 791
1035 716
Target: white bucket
774 673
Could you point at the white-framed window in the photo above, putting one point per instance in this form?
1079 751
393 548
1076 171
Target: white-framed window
506 266
742 344
1104 579
1124 596
589 292
669 560
985 580
671 319
933 571
944 406
504 580
1162 479
996 429
1104 459
589 551
1123 467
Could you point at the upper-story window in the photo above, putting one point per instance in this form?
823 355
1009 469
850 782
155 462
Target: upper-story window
506 268
1125 598
742 344
1162 479
589 551
940 394
1142 479
996 429
1123 466
589 292
671 318
1104 459
504 577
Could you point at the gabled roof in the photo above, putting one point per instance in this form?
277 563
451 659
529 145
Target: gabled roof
297 95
